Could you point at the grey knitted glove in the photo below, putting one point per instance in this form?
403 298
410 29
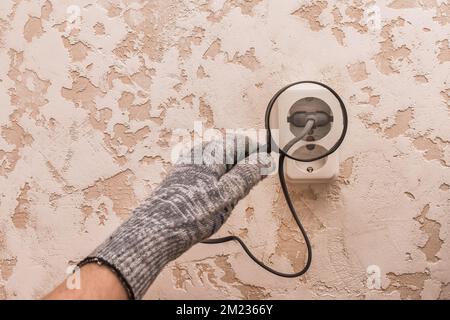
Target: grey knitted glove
190 205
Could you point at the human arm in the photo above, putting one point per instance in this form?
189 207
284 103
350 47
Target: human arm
190 205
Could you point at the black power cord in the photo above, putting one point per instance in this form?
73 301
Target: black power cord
282 157
307 128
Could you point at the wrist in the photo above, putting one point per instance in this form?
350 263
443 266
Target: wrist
136 255
96 282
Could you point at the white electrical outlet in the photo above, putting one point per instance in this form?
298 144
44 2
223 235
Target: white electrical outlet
310 97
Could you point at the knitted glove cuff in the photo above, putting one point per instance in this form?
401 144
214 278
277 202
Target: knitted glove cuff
137 253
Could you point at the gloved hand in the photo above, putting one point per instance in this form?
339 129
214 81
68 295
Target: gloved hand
190 205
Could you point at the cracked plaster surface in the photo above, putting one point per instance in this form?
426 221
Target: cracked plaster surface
92 92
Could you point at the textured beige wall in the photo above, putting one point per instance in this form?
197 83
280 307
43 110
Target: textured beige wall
89 103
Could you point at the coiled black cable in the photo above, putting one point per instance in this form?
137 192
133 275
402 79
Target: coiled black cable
282 157
297 220
283 183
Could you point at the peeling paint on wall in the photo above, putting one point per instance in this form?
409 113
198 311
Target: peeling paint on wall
93 93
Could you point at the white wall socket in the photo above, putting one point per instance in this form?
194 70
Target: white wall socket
310 97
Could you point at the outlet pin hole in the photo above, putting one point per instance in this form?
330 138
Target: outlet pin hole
310 147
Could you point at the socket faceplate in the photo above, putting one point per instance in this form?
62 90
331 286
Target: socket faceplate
310 97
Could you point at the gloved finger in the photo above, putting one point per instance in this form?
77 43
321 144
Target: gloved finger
229 149
238 182
221 154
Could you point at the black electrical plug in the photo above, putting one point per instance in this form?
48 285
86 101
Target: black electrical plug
300 118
